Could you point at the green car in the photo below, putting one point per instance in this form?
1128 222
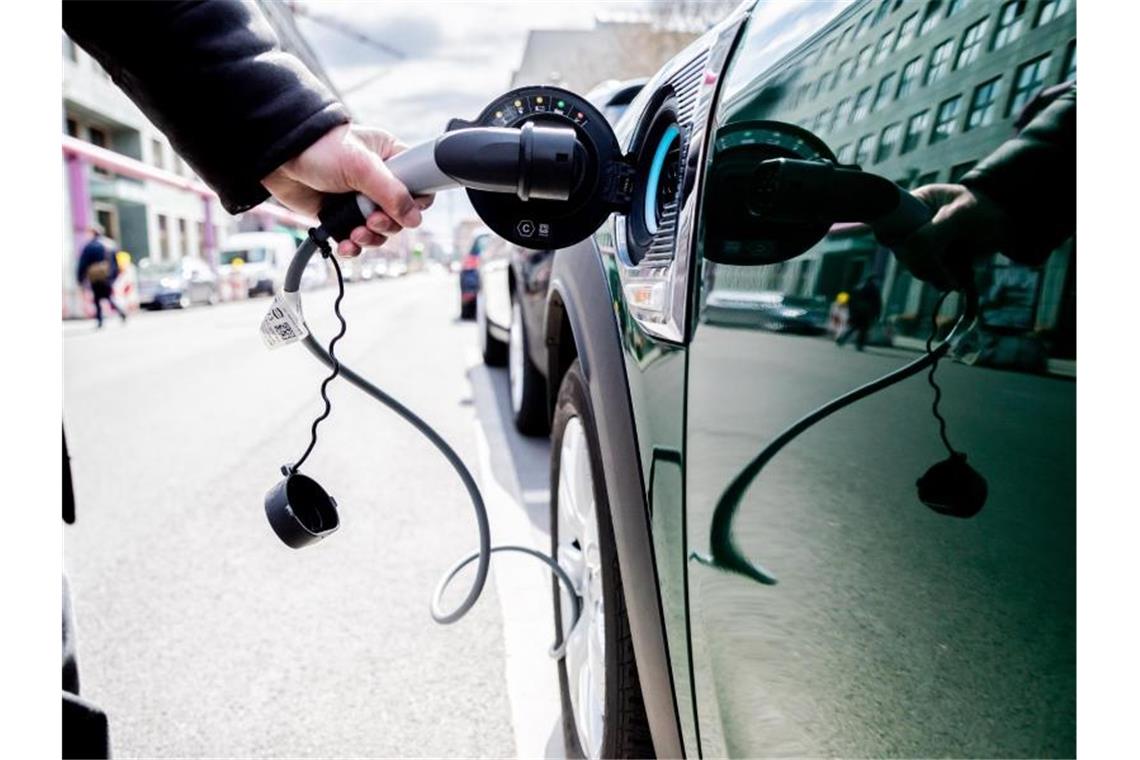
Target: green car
813 605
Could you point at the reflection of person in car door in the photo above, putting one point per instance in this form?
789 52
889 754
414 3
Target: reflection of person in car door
1020 200
98 268
863 306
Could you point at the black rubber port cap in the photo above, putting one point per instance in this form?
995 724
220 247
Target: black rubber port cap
300 511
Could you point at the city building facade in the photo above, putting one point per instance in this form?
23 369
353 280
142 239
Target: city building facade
120 172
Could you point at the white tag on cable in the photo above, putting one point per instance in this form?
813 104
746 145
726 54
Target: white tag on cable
283 323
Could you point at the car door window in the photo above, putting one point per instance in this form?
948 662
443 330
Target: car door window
874 625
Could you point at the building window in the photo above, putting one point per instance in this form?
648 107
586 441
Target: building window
883 49
183 239
823 83
959 170
97 136
843 156
939 62
862 105
915 128
983 105
202 240
156 154
906 31
926 179
864 61
1051 9
72 127
69 50
932 16
863 151
1011 23
1070 63
884 9
909 77
944 120
843 40
163 239
843 72
955 6
883 93
1030 77
887 141
971 44
821 120
864 24
828 49
842 114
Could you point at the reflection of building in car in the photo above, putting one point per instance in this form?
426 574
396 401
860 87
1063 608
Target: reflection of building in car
164 284
768 310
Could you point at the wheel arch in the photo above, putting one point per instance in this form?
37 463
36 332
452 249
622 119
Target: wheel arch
580 324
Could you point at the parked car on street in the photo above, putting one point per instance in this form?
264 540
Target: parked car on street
808 604
469 274
264 258
767 310
511 306
181 283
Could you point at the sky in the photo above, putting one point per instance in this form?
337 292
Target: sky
458 57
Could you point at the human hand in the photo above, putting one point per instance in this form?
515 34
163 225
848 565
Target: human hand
350 157
966 225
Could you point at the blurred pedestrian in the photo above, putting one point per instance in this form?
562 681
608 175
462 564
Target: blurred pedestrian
863 306
98 268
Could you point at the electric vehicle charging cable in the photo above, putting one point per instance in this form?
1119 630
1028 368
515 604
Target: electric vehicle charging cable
318 241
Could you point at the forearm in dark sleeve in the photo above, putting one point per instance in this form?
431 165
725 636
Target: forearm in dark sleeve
211 76
1033 178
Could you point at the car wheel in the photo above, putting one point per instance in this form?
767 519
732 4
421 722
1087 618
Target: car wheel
494 350
528 386
603 714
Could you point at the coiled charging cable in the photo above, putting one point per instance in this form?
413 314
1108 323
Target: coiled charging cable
318 241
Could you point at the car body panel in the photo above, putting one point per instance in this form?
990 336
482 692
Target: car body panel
890 630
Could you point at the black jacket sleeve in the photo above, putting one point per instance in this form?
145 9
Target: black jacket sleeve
1033 177
212 77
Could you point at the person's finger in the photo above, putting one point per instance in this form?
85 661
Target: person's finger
424 201
347 248
380 222
368 174
365 237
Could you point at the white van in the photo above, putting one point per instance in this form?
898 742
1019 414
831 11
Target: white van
265 258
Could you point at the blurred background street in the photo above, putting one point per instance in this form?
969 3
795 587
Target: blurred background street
202 635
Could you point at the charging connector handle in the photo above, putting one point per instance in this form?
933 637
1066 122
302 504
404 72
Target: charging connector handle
536 162
797 191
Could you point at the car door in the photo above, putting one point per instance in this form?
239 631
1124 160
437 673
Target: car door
873 625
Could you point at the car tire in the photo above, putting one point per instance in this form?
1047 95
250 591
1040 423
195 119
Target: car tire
526 384
494 351
578 494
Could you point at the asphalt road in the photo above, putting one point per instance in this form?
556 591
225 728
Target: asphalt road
202 635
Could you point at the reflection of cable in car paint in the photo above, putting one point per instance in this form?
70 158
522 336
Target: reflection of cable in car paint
795 201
